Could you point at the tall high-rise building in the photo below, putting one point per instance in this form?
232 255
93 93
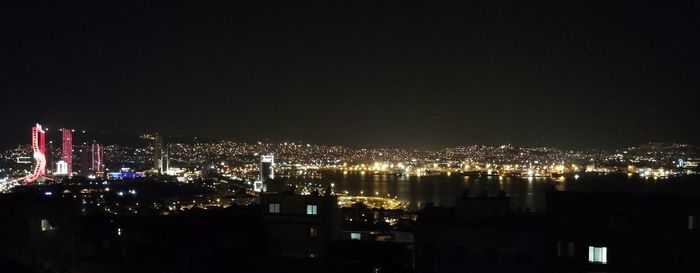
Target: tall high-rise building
85 159
267 172
39 150
165 157
67 148
92 159
267 167
97 159
158 153
49 157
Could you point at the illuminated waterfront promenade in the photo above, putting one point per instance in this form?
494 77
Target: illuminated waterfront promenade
372 202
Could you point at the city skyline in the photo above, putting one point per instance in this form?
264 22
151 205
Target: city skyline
362 136
361 73
158 152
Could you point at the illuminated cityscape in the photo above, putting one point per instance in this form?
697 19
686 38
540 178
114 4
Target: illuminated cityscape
238 160
148 180
349 137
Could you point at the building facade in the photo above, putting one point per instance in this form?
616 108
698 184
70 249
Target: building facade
267 172
300 226
623 232
480 234
67 148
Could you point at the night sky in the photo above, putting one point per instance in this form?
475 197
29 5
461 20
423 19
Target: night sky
427 74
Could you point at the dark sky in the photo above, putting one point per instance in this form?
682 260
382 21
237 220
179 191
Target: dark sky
414 74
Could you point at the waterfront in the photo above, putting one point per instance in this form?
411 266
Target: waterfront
525 192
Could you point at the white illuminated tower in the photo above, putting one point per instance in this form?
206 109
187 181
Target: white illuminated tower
267 171
267 167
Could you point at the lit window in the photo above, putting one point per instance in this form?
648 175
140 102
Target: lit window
355 236
313 232
598 255
274 208
311 209
46 225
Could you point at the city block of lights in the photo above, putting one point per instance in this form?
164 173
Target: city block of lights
38 160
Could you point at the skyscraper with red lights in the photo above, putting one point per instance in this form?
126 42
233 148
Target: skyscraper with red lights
67 148
39 150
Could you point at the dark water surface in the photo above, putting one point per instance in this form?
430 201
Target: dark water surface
525 192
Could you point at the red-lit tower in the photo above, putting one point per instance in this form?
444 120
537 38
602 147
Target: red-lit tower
67 148
97 158
39 149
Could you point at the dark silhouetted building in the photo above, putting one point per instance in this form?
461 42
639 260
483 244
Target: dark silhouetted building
623 232
50 157
85 159
92 159
38 230
480 234
363 223
158 163
300 226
